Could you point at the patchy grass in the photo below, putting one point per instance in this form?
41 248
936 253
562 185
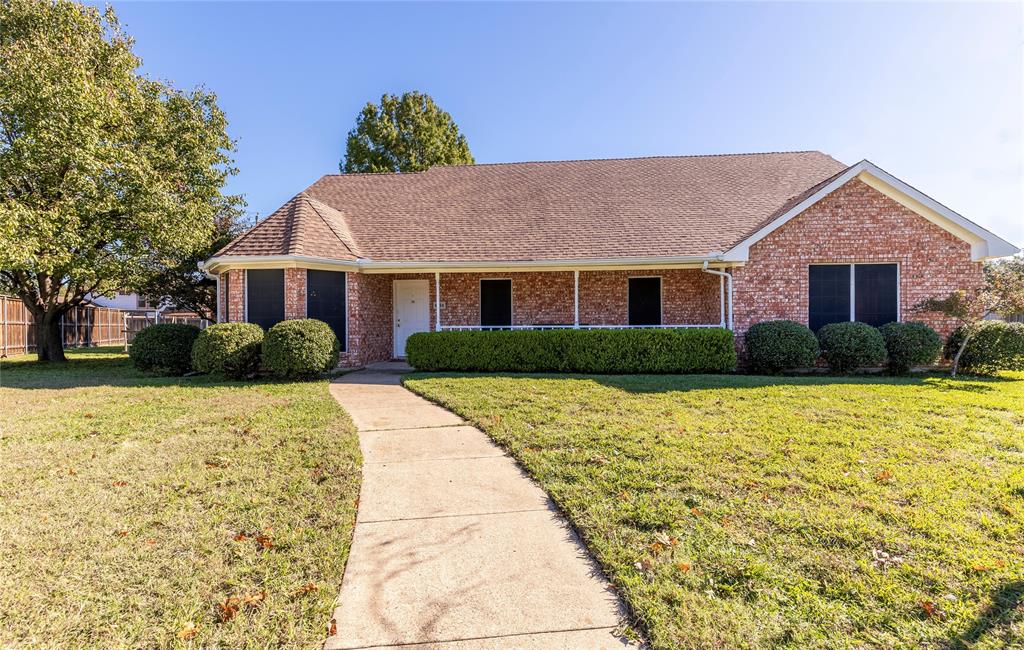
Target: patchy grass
133 508
756 512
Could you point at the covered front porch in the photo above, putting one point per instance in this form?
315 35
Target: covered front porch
581 299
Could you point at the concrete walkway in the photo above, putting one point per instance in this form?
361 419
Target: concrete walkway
454 547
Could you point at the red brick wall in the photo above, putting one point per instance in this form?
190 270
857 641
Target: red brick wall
294 293
232 296
853 224
537 298
688 297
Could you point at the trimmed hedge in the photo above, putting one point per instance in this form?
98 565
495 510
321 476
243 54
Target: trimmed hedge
777 345
910 344
683 350
229 349
848 346
305 347
164 349
996 346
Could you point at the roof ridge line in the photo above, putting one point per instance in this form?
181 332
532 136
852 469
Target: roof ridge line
577 160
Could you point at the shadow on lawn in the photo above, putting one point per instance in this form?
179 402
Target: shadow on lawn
1005 601
672 383
90 367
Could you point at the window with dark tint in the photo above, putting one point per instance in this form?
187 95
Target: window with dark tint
874 294
874 289
496 303
264 289
829 297
645 301
325 300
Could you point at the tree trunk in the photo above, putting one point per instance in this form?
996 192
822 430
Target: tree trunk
959 353
49 338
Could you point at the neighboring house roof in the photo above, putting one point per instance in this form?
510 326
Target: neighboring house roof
667 208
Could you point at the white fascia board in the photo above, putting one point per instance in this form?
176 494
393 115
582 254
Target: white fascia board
215 264
984 244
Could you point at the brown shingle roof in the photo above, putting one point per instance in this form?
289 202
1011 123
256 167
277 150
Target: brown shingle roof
586 209
302 226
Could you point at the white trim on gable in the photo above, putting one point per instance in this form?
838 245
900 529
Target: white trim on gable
984 244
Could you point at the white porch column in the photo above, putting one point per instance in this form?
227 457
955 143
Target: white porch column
721 297
576 299
437 302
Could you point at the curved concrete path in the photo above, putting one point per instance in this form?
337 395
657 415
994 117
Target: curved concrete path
454 547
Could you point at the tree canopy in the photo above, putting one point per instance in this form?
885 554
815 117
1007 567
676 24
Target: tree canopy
404 134
105 174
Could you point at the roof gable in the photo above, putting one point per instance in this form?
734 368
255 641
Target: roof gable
984 244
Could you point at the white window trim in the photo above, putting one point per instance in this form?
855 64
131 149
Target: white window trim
661 297
853 283
511 301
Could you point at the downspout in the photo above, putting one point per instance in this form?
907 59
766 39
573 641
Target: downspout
728 283
215 278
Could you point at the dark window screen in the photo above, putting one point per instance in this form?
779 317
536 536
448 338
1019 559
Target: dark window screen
495 303
645 301
875 294
265 296
829 296
325 300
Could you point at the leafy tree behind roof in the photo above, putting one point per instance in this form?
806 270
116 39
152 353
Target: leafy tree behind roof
404 134
104 174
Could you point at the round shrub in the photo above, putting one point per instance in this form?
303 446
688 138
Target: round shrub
229 349
300 348
777 345
165 349
996 345
909 345
847 346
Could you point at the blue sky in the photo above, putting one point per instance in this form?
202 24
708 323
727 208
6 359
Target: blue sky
930 92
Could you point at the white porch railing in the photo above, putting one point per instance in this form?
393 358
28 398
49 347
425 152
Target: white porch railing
568 327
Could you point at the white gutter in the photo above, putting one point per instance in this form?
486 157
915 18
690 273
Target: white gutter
727 322
369 265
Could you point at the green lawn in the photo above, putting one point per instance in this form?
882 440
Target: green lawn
755 512
133 508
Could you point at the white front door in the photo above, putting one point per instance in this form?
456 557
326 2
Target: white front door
412 311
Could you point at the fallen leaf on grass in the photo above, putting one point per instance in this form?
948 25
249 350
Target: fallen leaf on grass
264 542
227 610
87 415
883 476
657 548
150 542
120 483
305 589
695 512
666 540
333 630
121 533
241 537
931 610
253 600
1005 509
188 631
683 566
71 471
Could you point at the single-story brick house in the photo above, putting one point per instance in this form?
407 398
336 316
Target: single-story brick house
691 241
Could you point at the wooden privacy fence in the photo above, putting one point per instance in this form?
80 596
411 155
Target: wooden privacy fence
83 326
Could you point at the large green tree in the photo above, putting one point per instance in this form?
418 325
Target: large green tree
105 174
404 134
